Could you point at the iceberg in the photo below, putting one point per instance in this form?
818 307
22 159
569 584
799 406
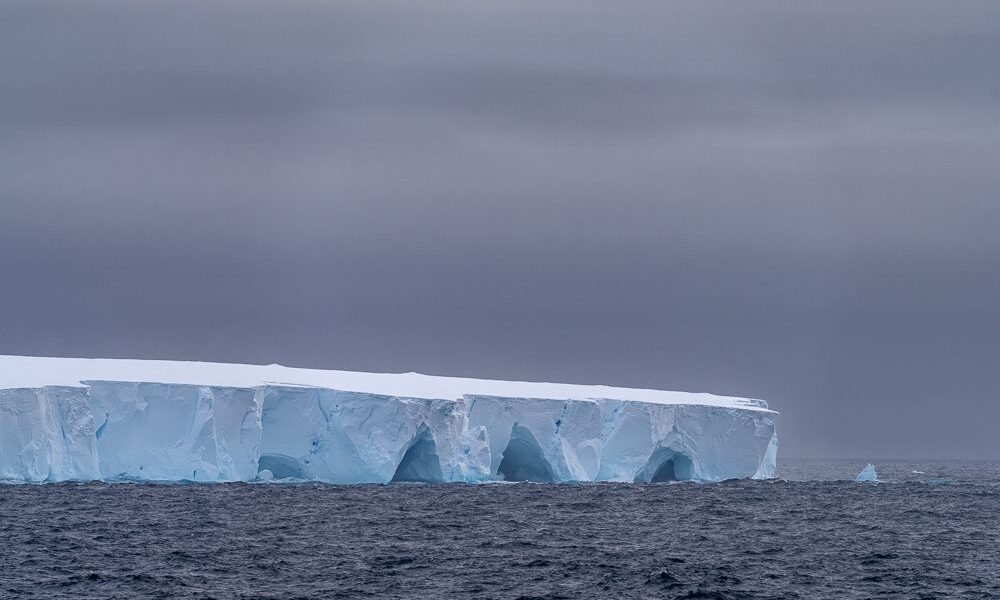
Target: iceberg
867 474
69 419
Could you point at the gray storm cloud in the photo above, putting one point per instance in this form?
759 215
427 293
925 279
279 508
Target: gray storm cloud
795 202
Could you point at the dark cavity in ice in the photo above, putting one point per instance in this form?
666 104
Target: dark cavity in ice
281 466
666 465
420 463
523 459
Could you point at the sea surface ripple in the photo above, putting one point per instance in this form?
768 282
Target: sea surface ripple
932 532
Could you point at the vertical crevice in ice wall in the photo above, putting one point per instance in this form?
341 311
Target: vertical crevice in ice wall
768 462
177 432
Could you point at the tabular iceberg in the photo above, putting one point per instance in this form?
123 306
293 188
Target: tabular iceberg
88 419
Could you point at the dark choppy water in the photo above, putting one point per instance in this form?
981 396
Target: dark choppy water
932 534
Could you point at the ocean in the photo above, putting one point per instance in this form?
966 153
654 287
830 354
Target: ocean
929 529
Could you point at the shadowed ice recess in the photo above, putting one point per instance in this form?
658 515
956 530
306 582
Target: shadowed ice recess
89 419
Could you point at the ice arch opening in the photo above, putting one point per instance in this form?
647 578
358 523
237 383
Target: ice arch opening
420 462
281 466
666 465
523 459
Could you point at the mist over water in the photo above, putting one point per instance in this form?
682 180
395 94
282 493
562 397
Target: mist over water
931 530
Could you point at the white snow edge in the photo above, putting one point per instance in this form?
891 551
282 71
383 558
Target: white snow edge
35 372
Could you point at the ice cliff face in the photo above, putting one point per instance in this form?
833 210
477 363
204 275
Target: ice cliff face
47 434
175 432
84 419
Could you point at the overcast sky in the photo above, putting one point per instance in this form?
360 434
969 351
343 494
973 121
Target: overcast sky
795 201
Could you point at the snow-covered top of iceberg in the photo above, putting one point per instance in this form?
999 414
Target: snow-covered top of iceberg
34 372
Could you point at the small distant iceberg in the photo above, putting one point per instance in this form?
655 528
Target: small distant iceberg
867 474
